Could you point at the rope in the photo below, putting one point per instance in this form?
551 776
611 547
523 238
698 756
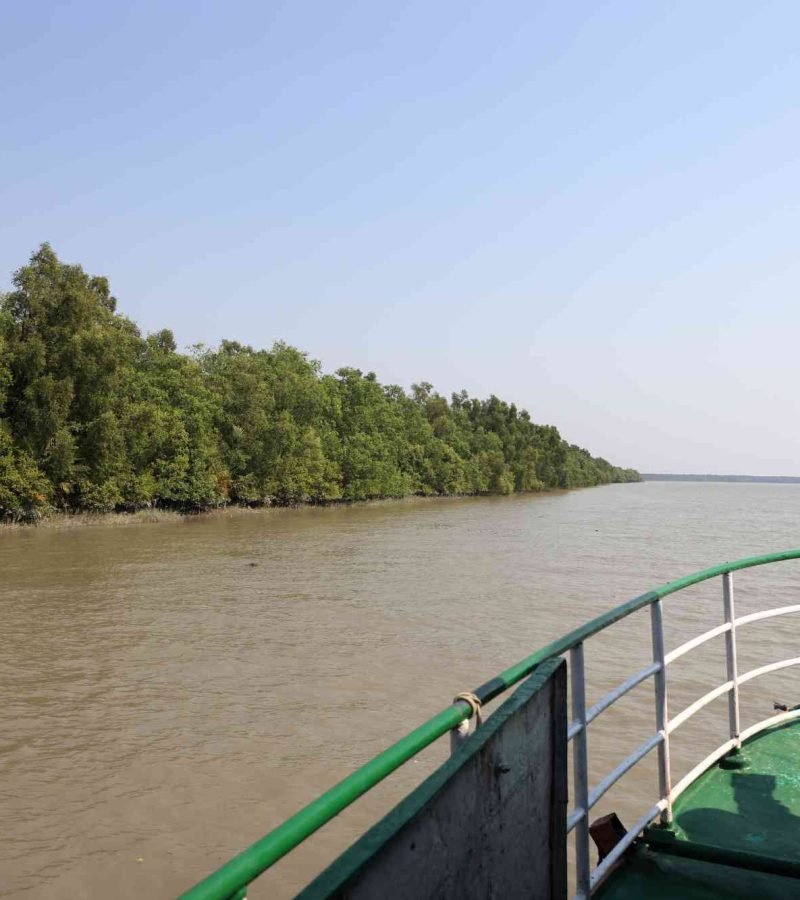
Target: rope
474 705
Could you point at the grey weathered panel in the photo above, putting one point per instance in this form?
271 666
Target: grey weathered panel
490 823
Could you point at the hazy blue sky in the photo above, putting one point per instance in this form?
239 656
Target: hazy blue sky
591 209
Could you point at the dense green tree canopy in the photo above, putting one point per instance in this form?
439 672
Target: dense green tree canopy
94 416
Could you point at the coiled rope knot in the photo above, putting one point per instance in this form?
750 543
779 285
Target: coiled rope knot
474 705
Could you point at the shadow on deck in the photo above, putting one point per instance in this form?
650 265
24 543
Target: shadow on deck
736 832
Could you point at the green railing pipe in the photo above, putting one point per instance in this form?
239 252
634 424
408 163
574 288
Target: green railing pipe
236 874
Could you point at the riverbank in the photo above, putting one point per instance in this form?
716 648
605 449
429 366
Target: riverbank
59 519
82 519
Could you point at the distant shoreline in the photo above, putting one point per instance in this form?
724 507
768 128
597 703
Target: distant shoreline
752 479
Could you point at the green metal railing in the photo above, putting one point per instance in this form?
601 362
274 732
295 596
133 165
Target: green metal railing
230 881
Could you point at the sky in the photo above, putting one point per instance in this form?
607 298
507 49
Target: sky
590 209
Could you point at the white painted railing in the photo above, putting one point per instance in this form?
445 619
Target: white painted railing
585 797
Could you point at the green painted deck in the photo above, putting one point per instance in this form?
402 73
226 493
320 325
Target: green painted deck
736 831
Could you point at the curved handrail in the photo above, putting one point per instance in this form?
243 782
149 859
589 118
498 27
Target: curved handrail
229 880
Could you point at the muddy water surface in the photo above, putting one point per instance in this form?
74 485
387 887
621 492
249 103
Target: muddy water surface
170 692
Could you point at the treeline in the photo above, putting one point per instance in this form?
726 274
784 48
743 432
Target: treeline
94 416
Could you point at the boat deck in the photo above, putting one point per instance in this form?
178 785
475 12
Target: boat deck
736 831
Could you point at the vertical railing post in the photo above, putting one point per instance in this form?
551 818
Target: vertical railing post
730 657
580 770
662 714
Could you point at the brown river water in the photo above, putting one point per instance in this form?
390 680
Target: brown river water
170 692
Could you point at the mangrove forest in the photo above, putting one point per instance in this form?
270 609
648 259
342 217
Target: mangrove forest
95 416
